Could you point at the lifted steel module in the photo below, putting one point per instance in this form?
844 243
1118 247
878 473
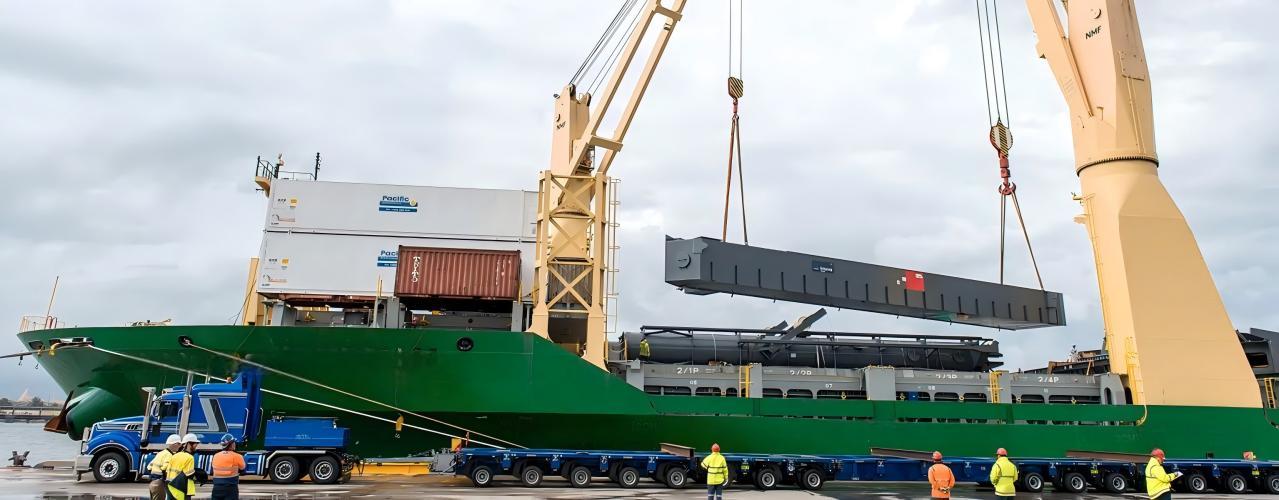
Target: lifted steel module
707 265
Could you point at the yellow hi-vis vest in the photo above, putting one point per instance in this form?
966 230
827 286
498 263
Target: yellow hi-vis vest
179 476
716 469
1003 474
1158 481
158 463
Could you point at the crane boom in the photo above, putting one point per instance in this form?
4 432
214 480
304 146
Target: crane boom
1166 327
573 236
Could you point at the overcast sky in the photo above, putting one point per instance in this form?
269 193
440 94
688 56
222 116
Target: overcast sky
128 133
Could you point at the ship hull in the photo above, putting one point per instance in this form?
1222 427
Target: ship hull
521 389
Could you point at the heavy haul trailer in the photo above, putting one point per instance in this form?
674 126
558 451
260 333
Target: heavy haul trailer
678 468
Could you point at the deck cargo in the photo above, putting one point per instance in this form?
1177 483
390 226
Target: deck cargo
395 210
706 265
458 273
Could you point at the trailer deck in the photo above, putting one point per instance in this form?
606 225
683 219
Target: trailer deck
811 472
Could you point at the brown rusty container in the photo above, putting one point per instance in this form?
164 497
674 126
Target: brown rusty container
457 273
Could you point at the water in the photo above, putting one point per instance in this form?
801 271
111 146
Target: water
43 445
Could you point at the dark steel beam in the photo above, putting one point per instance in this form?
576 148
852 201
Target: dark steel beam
706 265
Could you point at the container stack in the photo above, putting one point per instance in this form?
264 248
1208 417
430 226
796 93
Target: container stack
343 245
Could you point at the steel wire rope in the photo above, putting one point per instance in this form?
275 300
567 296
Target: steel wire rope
995 86
277 393
1003 81
618 43
189 343
591 57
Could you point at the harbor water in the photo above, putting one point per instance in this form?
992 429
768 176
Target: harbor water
22 437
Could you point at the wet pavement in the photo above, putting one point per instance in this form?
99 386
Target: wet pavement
61 484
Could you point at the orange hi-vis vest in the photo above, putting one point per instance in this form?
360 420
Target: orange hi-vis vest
227 466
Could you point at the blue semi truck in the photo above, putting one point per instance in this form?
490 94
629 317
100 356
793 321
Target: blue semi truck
291 447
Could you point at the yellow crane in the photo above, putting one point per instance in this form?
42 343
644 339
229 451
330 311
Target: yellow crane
572 227
1166 327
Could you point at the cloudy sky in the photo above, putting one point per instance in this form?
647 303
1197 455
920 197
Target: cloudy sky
128 133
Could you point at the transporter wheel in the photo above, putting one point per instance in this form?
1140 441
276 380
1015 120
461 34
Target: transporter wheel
1270 484
579 476
110 467
1233 483
325 470
531 475
482 475
1032 482
1074 482
811 479
1115 483
767 478
1195 482
676 477
628 477
285 470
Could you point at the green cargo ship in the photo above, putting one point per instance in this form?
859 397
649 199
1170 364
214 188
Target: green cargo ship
526 390
1164 317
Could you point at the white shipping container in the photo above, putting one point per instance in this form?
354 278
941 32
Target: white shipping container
385 209
339 264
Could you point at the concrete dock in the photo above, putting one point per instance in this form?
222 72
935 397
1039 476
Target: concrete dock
25 483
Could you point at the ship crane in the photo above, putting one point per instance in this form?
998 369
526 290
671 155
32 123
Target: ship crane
1166 327
572 227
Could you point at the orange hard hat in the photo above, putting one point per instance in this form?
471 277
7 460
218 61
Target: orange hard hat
1157 453
1001 452
936 456
715 447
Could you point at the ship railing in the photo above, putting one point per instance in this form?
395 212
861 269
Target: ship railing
31 323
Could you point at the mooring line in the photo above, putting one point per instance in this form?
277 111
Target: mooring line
187 342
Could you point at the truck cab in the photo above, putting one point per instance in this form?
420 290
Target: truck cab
119 449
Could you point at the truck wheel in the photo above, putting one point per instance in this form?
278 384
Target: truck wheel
531 475
1270 484
811 479
1115 483
579 476
676 477
1195 482
325 470
285 470
1074 482
1233 483
110 467
1032 482
628 477
766 478
482 475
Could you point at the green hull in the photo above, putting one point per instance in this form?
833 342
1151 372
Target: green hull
528 391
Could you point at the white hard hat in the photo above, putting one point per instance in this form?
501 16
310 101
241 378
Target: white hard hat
173 439
191 438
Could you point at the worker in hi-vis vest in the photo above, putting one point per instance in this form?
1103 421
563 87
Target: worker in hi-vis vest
716 473
179 475
646 351
158 464
940 477
227 467
1003 475
1158 481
